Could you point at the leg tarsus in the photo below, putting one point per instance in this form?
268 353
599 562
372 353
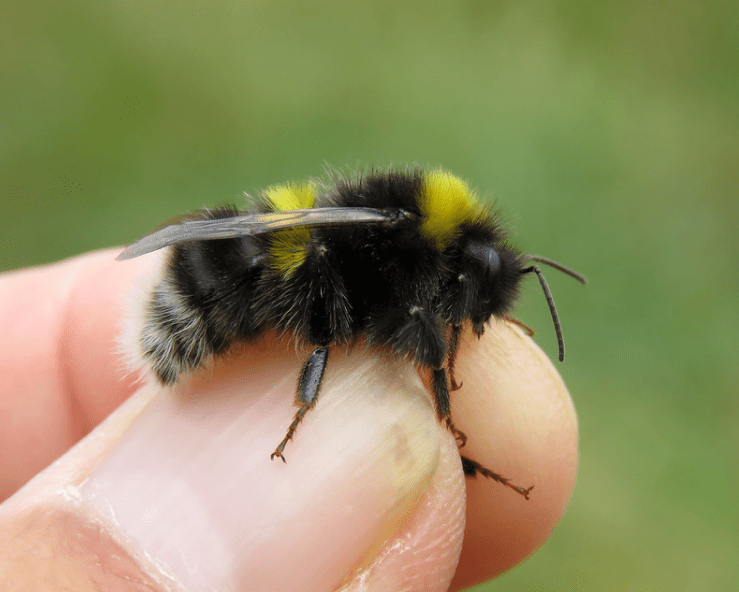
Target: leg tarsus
277 454
290 432
472 468
458 434
528 330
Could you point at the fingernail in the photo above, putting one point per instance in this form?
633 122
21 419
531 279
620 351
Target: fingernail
191 487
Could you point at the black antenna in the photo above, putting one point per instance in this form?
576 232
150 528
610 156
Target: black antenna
548 293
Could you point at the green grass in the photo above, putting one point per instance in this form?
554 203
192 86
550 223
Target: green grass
608 132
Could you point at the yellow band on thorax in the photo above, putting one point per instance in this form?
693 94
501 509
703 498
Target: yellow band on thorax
289 247
446 202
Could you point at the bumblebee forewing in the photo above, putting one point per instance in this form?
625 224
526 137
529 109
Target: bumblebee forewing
251 225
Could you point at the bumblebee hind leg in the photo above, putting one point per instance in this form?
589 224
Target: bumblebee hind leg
309 384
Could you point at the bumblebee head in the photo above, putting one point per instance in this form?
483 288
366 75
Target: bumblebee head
499 271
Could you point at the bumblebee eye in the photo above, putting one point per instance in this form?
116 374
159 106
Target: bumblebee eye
486 257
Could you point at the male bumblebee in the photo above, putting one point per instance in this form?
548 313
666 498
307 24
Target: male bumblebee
402 258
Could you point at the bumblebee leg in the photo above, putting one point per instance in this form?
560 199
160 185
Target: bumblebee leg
443 407
452 356
472 468
308 387
458 434
528 330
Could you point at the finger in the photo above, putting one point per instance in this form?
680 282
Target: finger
59 371
188 481
521 423
423 554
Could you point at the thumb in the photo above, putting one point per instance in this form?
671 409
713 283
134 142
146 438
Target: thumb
176 489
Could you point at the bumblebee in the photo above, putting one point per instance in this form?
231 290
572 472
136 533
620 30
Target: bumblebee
401 258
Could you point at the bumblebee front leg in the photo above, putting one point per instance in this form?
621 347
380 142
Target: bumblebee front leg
308 386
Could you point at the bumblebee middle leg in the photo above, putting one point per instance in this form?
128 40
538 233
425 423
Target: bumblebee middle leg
309 384
451 357
441 385
472 468
440 382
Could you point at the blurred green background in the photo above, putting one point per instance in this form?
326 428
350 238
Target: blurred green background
609 133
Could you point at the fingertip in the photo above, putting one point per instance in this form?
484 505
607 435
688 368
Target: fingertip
521 423
423 555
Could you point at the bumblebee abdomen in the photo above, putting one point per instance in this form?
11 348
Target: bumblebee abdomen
175 337
204 303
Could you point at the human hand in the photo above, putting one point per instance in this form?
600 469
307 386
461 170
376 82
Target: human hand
179 484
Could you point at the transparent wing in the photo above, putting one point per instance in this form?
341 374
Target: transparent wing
252 225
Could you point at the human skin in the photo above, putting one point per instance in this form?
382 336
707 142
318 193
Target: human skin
372 496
